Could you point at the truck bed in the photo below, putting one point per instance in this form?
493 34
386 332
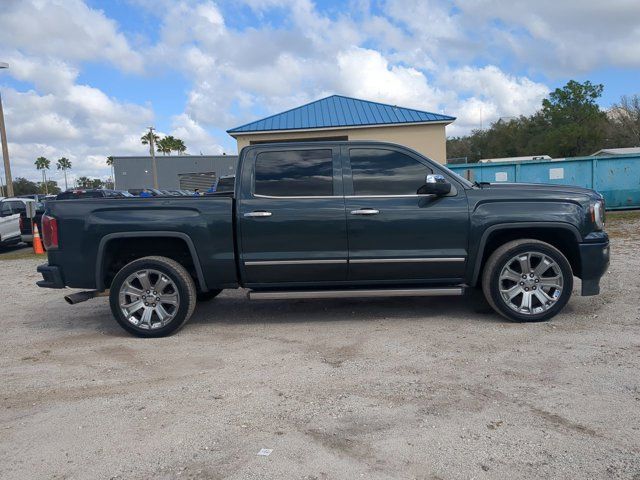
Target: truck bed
87 227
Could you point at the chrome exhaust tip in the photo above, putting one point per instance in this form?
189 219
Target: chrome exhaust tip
80 297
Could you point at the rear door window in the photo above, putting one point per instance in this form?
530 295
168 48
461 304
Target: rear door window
18 207
294 173
5 209
377 171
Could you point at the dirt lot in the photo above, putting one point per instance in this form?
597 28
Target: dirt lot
389 388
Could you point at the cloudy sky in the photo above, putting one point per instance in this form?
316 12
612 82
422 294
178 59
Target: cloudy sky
87 77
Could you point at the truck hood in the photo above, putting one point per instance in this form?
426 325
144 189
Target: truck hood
545 189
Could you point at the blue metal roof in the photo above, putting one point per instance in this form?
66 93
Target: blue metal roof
340 111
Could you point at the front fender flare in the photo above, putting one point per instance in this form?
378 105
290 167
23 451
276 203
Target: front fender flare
512 226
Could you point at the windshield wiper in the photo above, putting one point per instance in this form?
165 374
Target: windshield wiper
480 184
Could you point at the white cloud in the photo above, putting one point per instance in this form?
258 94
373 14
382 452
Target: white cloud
82 124
66 29
45 44
197 139
491 94
367 74
560 37
437 55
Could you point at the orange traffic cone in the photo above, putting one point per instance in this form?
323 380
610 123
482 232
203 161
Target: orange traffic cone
38 249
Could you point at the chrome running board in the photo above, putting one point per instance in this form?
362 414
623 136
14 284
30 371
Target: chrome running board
379 293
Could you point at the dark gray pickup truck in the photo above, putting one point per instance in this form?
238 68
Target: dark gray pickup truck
329 219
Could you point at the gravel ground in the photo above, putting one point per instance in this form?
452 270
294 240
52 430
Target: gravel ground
389 388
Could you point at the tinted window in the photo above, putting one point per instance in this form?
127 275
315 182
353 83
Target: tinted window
385 172
294 173
226 184
18 207
5 209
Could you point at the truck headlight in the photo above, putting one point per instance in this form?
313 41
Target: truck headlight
597 214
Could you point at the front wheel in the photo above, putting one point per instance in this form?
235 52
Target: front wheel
152 296
527 280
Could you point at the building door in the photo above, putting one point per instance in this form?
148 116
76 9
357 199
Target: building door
292 218
396 235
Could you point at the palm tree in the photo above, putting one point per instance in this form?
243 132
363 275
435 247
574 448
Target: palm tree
146 140
43 163
84 182
165 145
64 164
179 146
113 174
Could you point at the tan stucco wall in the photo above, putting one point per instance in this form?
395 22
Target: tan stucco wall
429 139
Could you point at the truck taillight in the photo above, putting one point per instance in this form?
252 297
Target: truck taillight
21 223
49 232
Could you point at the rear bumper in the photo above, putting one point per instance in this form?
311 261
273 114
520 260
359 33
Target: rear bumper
52 276
27 238
594 262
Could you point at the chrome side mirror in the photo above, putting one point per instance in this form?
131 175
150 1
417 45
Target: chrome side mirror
435 185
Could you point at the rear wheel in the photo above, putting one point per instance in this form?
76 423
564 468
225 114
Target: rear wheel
527 280
152 296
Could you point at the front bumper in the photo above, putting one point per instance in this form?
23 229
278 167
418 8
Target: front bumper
594 262
52 276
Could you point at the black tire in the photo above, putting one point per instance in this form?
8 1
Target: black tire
208 295
185 287
498 260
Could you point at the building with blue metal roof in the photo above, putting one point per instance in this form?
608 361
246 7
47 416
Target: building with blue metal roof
344 118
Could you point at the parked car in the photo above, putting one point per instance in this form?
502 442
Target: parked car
10 211
330 219
38 197
225 184
177 193
78 193
137 191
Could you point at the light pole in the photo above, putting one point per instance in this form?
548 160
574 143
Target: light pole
5 148
152 151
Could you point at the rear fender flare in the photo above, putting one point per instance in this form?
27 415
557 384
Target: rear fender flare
150 234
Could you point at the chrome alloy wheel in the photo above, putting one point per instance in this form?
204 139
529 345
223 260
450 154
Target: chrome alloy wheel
149 299
531 283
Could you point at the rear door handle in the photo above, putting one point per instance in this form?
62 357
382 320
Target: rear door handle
365 211
258 213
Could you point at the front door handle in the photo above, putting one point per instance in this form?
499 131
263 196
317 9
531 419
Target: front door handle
258 213
365 211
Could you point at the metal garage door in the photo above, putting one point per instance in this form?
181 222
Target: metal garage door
190 181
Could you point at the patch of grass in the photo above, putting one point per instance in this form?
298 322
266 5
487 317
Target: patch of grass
622 215
21 255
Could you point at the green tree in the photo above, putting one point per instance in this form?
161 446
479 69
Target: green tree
84 182
43 163
22 186
146 140
64 164
179 146
624 123
113 174
51 187
170 144
570 123
165 145
576 123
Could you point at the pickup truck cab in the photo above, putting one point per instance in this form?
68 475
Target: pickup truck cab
330 219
